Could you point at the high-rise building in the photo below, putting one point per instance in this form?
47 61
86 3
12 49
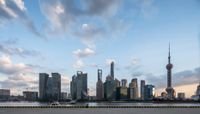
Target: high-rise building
124 82
149 92
56 86
142 85
4 94
170 91
112 70
50 87
99 86
109 88
73 87
49 91
79 90
133 90
43 78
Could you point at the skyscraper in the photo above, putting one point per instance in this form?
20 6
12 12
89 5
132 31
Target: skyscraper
43 78
79 90
56 86
109 88
142 85
133 89
112 69
73 87
99 86
49 91
50 87
149 92
170 91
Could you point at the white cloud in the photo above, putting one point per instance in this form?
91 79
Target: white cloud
7 67
20 82
135 61
11 10
10 50
84 53
79 64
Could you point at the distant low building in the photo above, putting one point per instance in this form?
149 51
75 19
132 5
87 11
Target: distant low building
4 94
64 96
30 95
122 93
181 96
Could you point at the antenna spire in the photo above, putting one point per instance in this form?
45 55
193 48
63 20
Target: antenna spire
169 57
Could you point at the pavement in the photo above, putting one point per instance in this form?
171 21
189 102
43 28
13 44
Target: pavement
100 111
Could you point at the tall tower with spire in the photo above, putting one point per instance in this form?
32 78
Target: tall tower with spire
170 91
112 69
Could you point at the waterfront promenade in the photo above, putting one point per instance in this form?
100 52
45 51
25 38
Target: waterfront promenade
99 110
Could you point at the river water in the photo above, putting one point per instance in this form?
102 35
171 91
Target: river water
23 103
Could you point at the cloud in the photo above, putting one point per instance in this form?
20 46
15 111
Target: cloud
7 47
18 51
79 64
92 20
108 61
9 68
84 53
92 91
65 82
178 79
20 82
15 9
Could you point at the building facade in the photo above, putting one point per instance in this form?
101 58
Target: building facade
99 86
30 95
79 88
149 92
50 87
122 93
56 86
181 96
4 94
43 78
142 85
133 90
109 88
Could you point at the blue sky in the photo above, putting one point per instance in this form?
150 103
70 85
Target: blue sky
66 36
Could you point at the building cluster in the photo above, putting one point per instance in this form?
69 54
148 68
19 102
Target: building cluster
109 90
113 89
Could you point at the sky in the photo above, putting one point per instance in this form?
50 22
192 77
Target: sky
66 36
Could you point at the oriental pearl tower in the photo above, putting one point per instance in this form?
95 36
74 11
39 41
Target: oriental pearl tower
170 91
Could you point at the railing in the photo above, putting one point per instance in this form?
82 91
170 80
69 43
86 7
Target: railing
63 106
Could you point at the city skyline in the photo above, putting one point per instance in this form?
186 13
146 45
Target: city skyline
68 36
